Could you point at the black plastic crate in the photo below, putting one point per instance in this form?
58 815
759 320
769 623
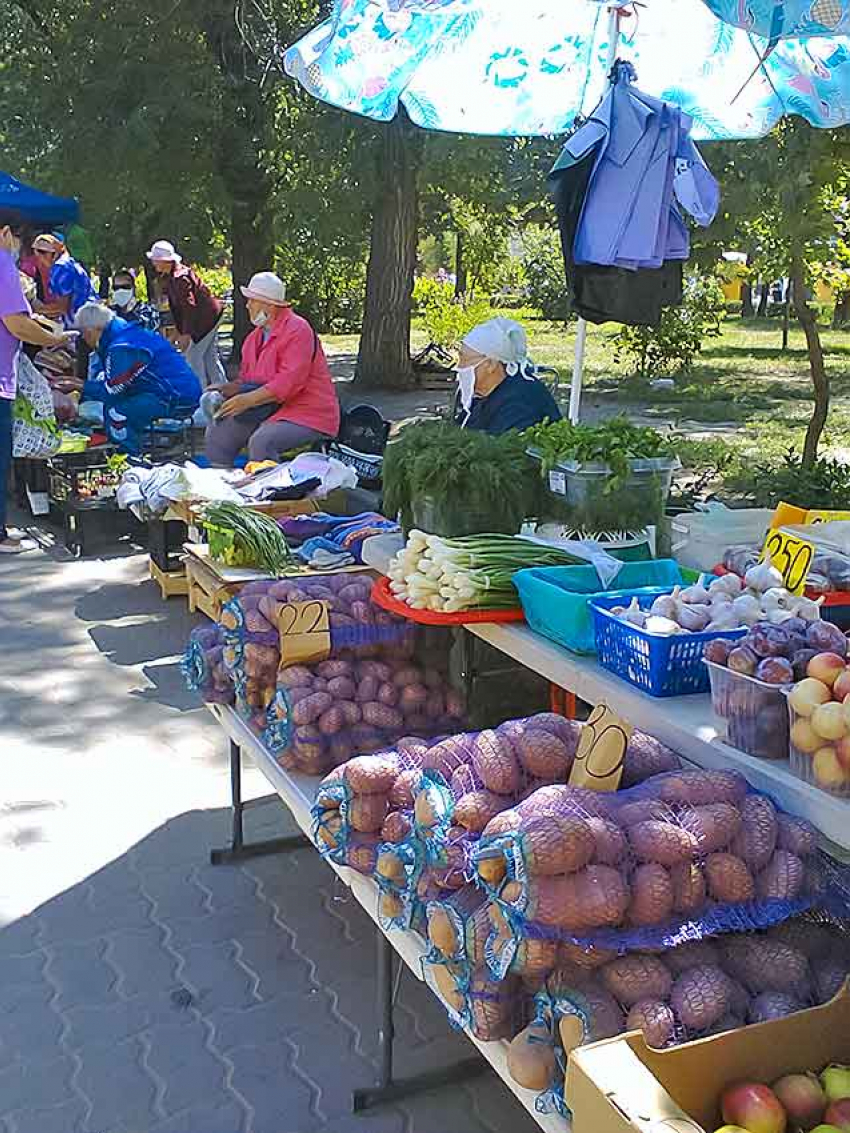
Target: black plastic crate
82 476
29 474
97 525
165 542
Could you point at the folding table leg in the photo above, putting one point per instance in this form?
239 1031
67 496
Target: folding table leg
389 1088
239 848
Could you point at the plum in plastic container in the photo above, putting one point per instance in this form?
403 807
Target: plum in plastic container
821 762
755 712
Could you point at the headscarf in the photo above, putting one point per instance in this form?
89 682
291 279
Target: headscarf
503 340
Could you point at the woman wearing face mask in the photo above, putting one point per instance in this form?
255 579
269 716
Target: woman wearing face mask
125 303
497 389
285 397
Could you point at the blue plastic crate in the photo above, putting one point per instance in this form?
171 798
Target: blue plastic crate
660 666
556 600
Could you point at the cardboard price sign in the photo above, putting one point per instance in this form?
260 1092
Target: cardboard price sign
601 751
305 632
791 556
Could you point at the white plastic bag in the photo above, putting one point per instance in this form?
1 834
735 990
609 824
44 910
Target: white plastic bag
35 433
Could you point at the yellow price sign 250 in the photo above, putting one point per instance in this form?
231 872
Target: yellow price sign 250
791 556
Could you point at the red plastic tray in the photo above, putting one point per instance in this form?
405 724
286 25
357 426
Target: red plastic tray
830 598
382 596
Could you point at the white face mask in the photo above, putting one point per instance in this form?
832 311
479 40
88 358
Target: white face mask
260 319
123 298
466 385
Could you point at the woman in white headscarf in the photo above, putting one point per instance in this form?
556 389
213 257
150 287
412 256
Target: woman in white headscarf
497 387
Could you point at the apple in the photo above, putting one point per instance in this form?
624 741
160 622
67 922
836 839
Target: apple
731 1129
829 721
835 1080
838 1114
808 695
826 668
841 688
753 1106
828 772
805 739
802 1098
826 1129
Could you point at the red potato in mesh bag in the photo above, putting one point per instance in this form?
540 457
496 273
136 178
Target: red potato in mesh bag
382 716
295 676
387 694
796 835
655 1019
645 756
361 853
309 710
543 754
693 954
764 964
495 1007
634 977
397 827
366 813
729 880
586 1011
563 800
494 762
335 669
756 840
664 842
610 846
332 721
651 895
403 788
713 826
701 996
342 688
643 810
371 774
549 845
689 888
782 878
702 788
475 809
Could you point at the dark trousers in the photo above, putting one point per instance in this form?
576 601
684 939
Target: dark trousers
5 458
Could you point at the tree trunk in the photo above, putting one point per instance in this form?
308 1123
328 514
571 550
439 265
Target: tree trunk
841 315
460 267
747 308
253 251
104 278
384 357
786 312
761 313
820 378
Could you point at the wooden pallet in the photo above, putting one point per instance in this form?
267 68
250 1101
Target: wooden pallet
206 590
172 583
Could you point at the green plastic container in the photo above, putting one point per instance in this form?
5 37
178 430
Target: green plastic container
556 600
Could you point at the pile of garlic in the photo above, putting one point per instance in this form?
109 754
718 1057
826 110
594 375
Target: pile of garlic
726 604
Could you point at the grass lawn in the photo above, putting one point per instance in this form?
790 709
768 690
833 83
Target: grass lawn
742 387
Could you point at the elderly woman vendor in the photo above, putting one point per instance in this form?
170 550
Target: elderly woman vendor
285 397
497 388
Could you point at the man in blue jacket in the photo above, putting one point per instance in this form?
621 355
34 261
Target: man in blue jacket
141 376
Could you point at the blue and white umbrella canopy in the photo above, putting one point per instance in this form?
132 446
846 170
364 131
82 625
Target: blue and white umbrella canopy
507 67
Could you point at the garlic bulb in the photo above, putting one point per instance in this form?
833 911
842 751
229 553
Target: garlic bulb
664 627
724 618
747 609
778 615
667 605
695 595
808 609
694 618
763 576
720 598
729 584
635 615
776 598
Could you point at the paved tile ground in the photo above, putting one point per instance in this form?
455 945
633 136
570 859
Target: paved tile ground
142 990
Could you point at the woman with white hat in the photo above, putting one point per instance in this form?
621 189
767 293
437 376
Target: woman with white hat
196 312
285 397
497 388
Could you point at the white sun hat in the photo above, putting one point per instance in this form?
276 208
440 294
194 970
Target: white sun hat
267 287
164 251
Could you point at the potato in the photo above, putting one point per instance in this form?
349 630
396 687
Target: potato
475 809
763 964
782 878
351 713
652 895
610 845
600 894
531 1058
543 755
382 716
756 840
655 1019
366 813
729 880
634 977
295 676
551 845
361 853
643 810
390 907
796 835
712 826
329 831
391 867
662 842
495 763
691 955
413 697
311 708
701 996
701 788
370 774
689 891
331 722
387 694
342 688
367 689
397 827
510 819
335 669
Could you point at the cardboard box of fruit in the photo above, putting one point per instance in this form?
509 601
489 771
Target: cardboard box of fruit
776 1077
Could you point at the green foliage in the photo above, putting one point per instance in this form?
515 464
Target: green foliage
217 279
543 266
614 442
825 484
460 470
446 320
672 346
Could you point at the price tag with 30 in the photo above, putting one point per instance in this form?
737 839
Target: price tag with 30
791 556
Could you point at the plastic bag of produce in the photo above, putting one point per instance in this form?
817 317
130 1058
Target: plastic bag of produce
203 666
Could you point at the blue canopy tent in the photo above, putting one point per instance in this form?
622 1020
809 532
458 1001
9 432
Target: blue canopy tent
35 207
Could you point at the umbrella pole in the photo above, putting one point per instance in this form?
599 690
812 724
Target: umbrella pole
581 328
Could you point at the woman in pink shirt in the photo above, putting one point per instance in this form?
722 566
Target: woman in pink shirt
285 397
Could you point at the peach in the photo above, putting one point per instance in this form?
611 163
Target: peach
841 688
828 772
804 738
826 667
807 695
829 721
842 753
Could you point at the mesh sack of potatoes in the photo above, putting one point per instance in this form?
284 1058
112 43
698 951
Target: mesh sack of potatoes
203 666
688 853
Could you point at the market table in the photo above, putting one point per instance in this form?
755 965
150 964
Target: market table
297 792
